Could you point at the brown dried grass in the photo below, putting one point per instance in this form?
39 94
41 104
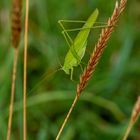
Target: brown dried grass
16 31
95 57
134 117
16 22
25 71
100 46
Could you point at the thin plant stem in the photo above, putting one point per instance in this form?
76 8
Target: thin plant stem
67 117
128 130
12 93
25 70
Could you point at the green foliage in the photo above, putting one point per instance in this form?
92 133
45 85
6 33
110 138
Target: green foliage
103 111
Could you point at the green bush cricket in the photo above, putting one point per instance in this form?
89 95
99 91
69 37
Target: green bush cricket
78 46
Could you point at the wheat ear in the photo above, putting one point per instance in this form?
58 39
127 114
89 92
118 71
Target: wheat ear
95 57
134 117
16 31
25 70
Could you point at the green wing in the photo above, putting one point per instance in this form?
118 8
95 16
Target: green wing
82 36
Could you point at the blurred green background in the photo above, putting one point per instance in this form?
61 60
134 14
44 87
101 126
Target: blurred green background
104 109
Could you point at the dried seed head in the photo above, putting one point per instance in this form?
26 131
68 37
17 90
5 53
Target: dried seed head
100 46
16 22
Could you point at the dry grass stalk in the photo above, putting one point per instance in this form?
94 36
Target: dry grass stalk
95 57
11 106
136 110
16 31
25 70
134 117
